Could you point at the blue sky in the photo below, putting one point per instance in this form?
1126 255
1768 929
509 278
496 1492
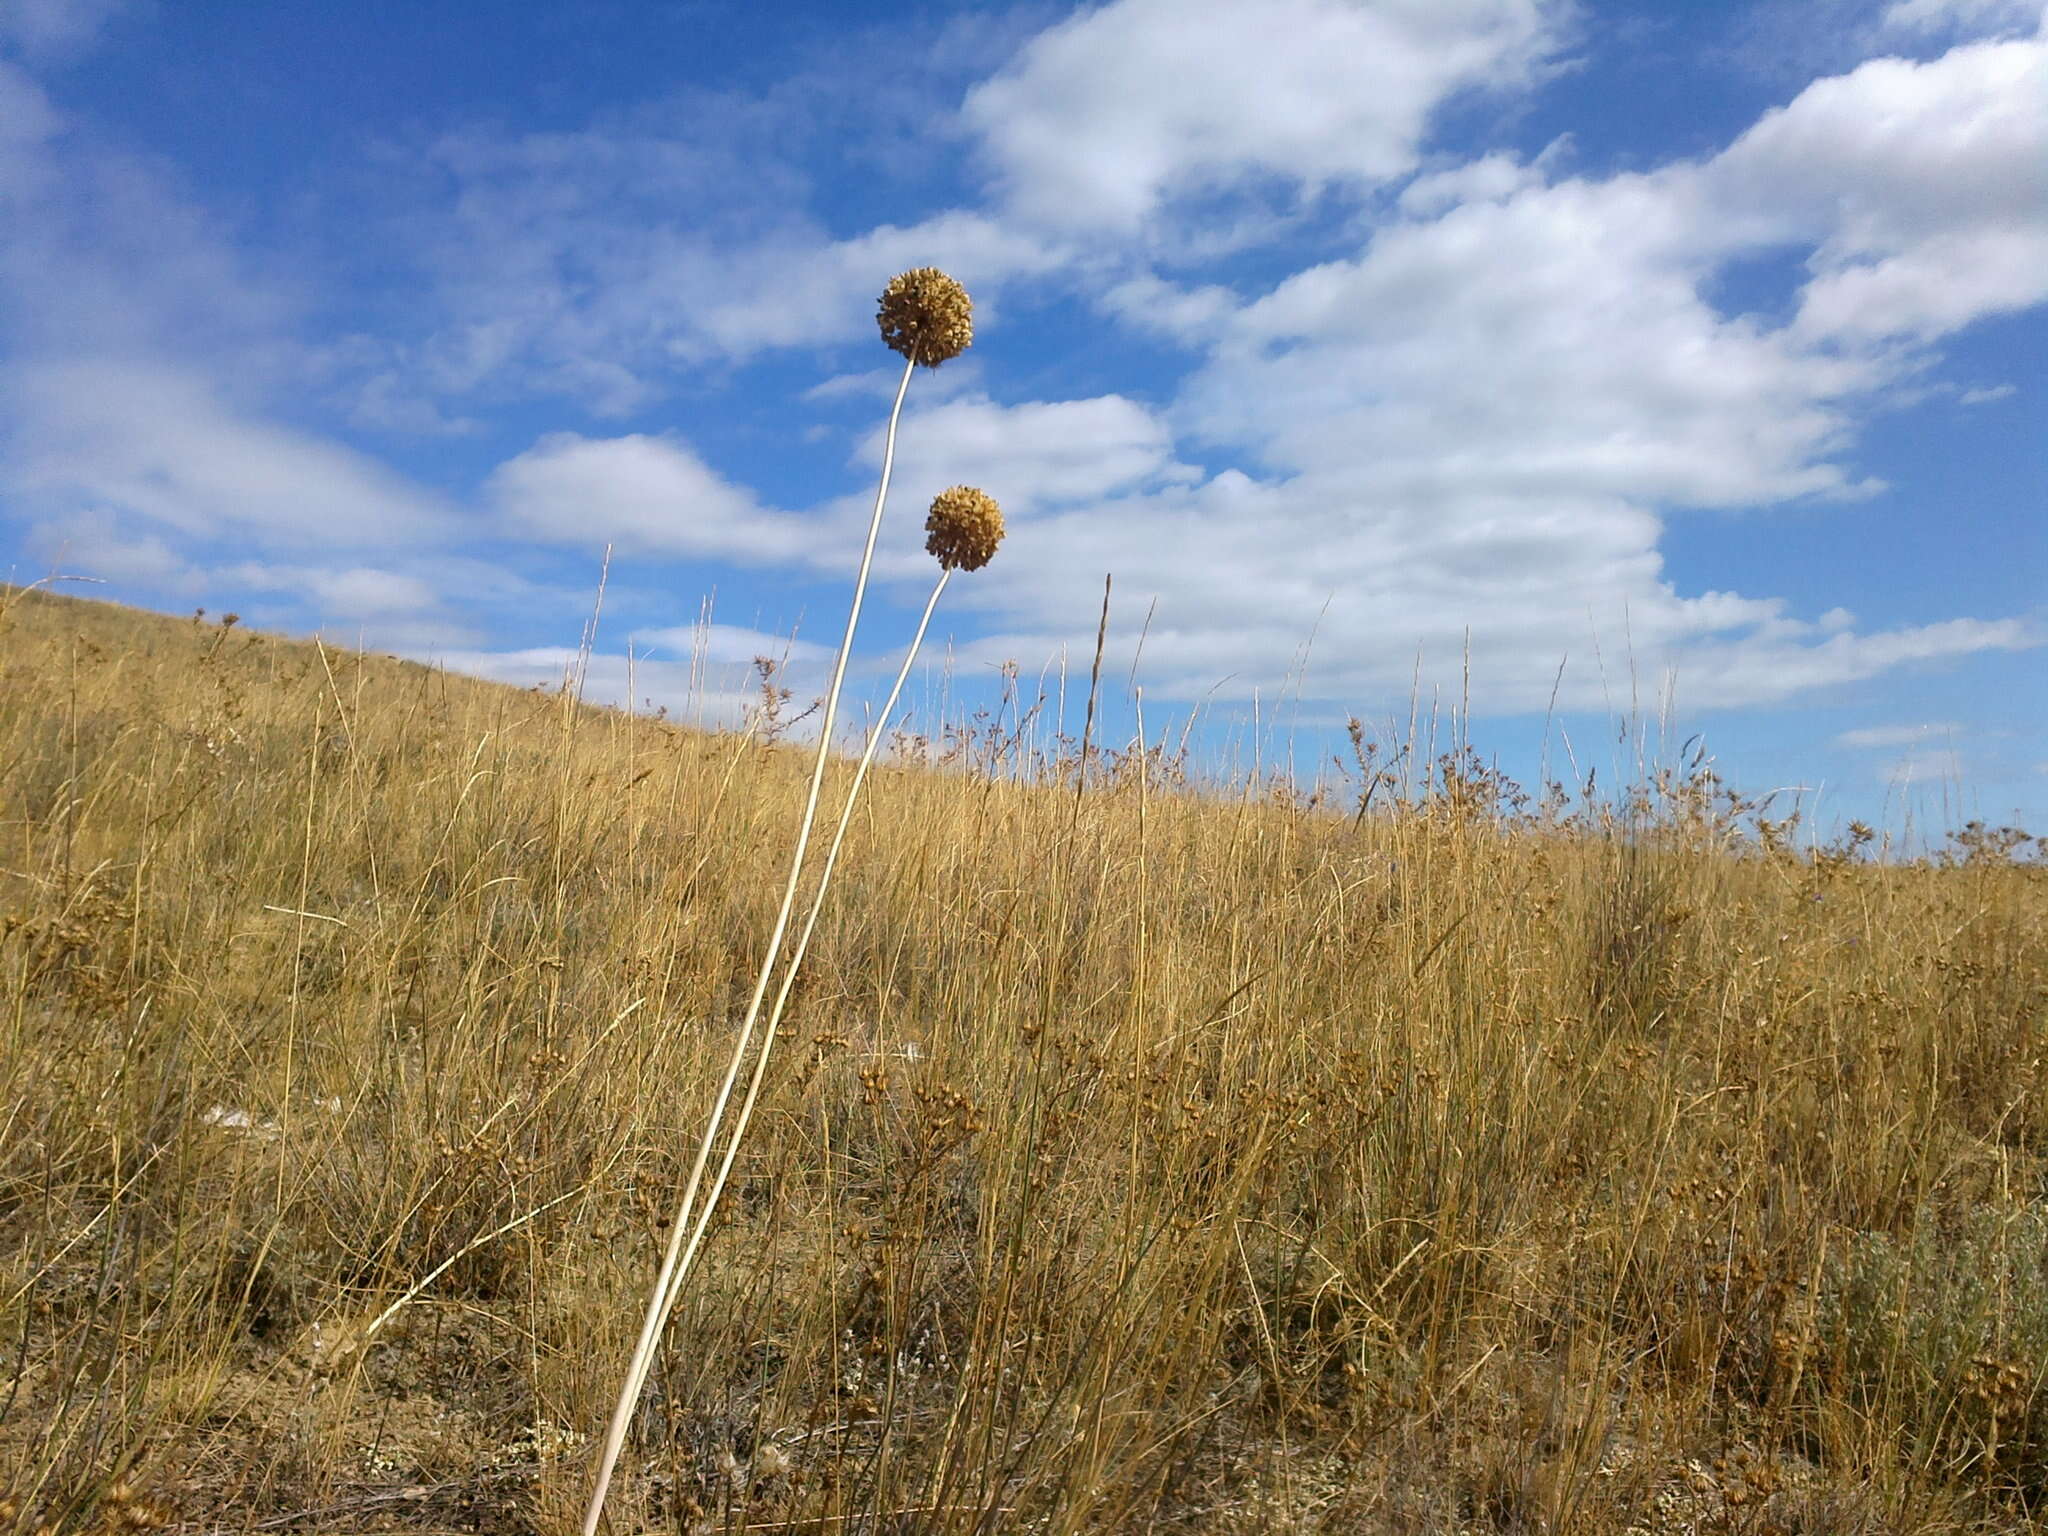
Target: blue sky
1679 358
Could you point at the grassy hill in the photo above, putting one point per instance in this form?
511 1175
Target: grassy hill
1133 1160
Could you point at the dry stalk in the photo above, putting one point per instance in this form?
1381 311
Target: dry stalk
926 317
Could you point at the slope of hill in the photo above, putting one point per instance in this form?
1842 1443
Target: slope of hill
1134 1161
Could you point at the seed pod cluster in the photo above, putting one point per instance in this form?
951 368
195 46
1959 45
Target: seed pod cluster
926 316
963 529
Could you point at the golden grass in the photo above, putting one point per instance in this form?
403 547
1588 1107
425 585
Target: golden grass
1139 1160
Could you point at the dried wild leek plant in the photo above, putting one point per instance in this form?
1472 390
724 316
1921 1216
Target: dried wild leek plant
927 318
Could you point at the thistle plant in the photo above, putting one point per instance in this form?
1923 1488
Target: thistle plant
927 318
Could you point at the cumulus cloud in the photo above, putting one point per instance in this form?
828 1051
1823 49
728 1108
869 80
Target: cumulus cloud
1479 422
1490 179
104 254
54 29
1975 17
28 121
1939 764
1243 571
1465 421
1871 737
26 115
388 399
813 294
594 265
353 592
158 444
641 493
732 644
720 699
1102 119
1466 437
432 599
94 543
1556 343
1190 314
1919 186
1030 455
1767 670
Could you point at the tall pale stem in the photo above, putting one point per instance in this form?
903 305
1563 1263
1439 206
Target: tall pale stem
803 943
665 1289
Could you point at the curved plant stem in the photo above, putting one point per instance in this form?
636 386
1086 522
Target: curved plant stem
665 1288
746 1114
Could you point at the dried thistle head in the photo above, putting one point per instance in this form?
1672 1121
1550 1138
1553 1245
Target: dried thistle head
963 528
926 316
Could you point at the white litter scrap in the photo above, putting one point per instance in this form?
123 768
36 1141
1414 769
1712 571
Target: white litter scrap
225 1118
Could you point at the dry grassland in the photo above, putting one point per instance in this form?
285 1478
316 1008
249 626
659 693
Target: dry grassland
1136 1160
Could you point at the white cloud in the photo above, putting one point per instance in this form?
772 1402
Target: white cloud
54 29
732 644
158 443
1939 286
720 699
1878 736
1243 571
92 542
594 265
103 255
26 116
391 400
27 123
354 592
1986 396
1191 315
1031 455
1768 670
1552 345
1475 422
1105 117
872 384
962 376
1479 422
1939 765
1475 426
641 493
1490 179
1975 17
806 295
1920 186
431 601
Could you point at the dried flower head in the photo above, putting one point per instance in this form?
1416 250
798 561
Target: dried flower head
926 316
964 528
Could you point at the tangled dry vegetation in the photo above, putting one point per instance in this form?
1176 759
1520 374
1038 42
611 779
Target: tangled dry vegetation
1140 1160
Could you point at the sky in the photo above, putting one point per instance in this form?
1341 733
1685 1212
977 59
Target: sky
1597 379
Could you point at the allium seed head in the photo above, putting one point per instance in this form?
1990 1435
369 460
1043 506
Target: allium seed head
926 316
964 528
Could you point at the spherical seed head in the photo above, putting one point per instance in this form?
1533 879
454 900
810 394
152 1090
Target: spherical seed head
926 316
964 528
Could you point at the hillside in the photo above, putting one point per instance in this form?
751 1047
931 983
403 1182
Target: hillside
1133 1160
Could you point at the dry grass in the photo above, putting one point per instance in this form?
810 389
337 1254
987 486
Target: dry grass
1139 1161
